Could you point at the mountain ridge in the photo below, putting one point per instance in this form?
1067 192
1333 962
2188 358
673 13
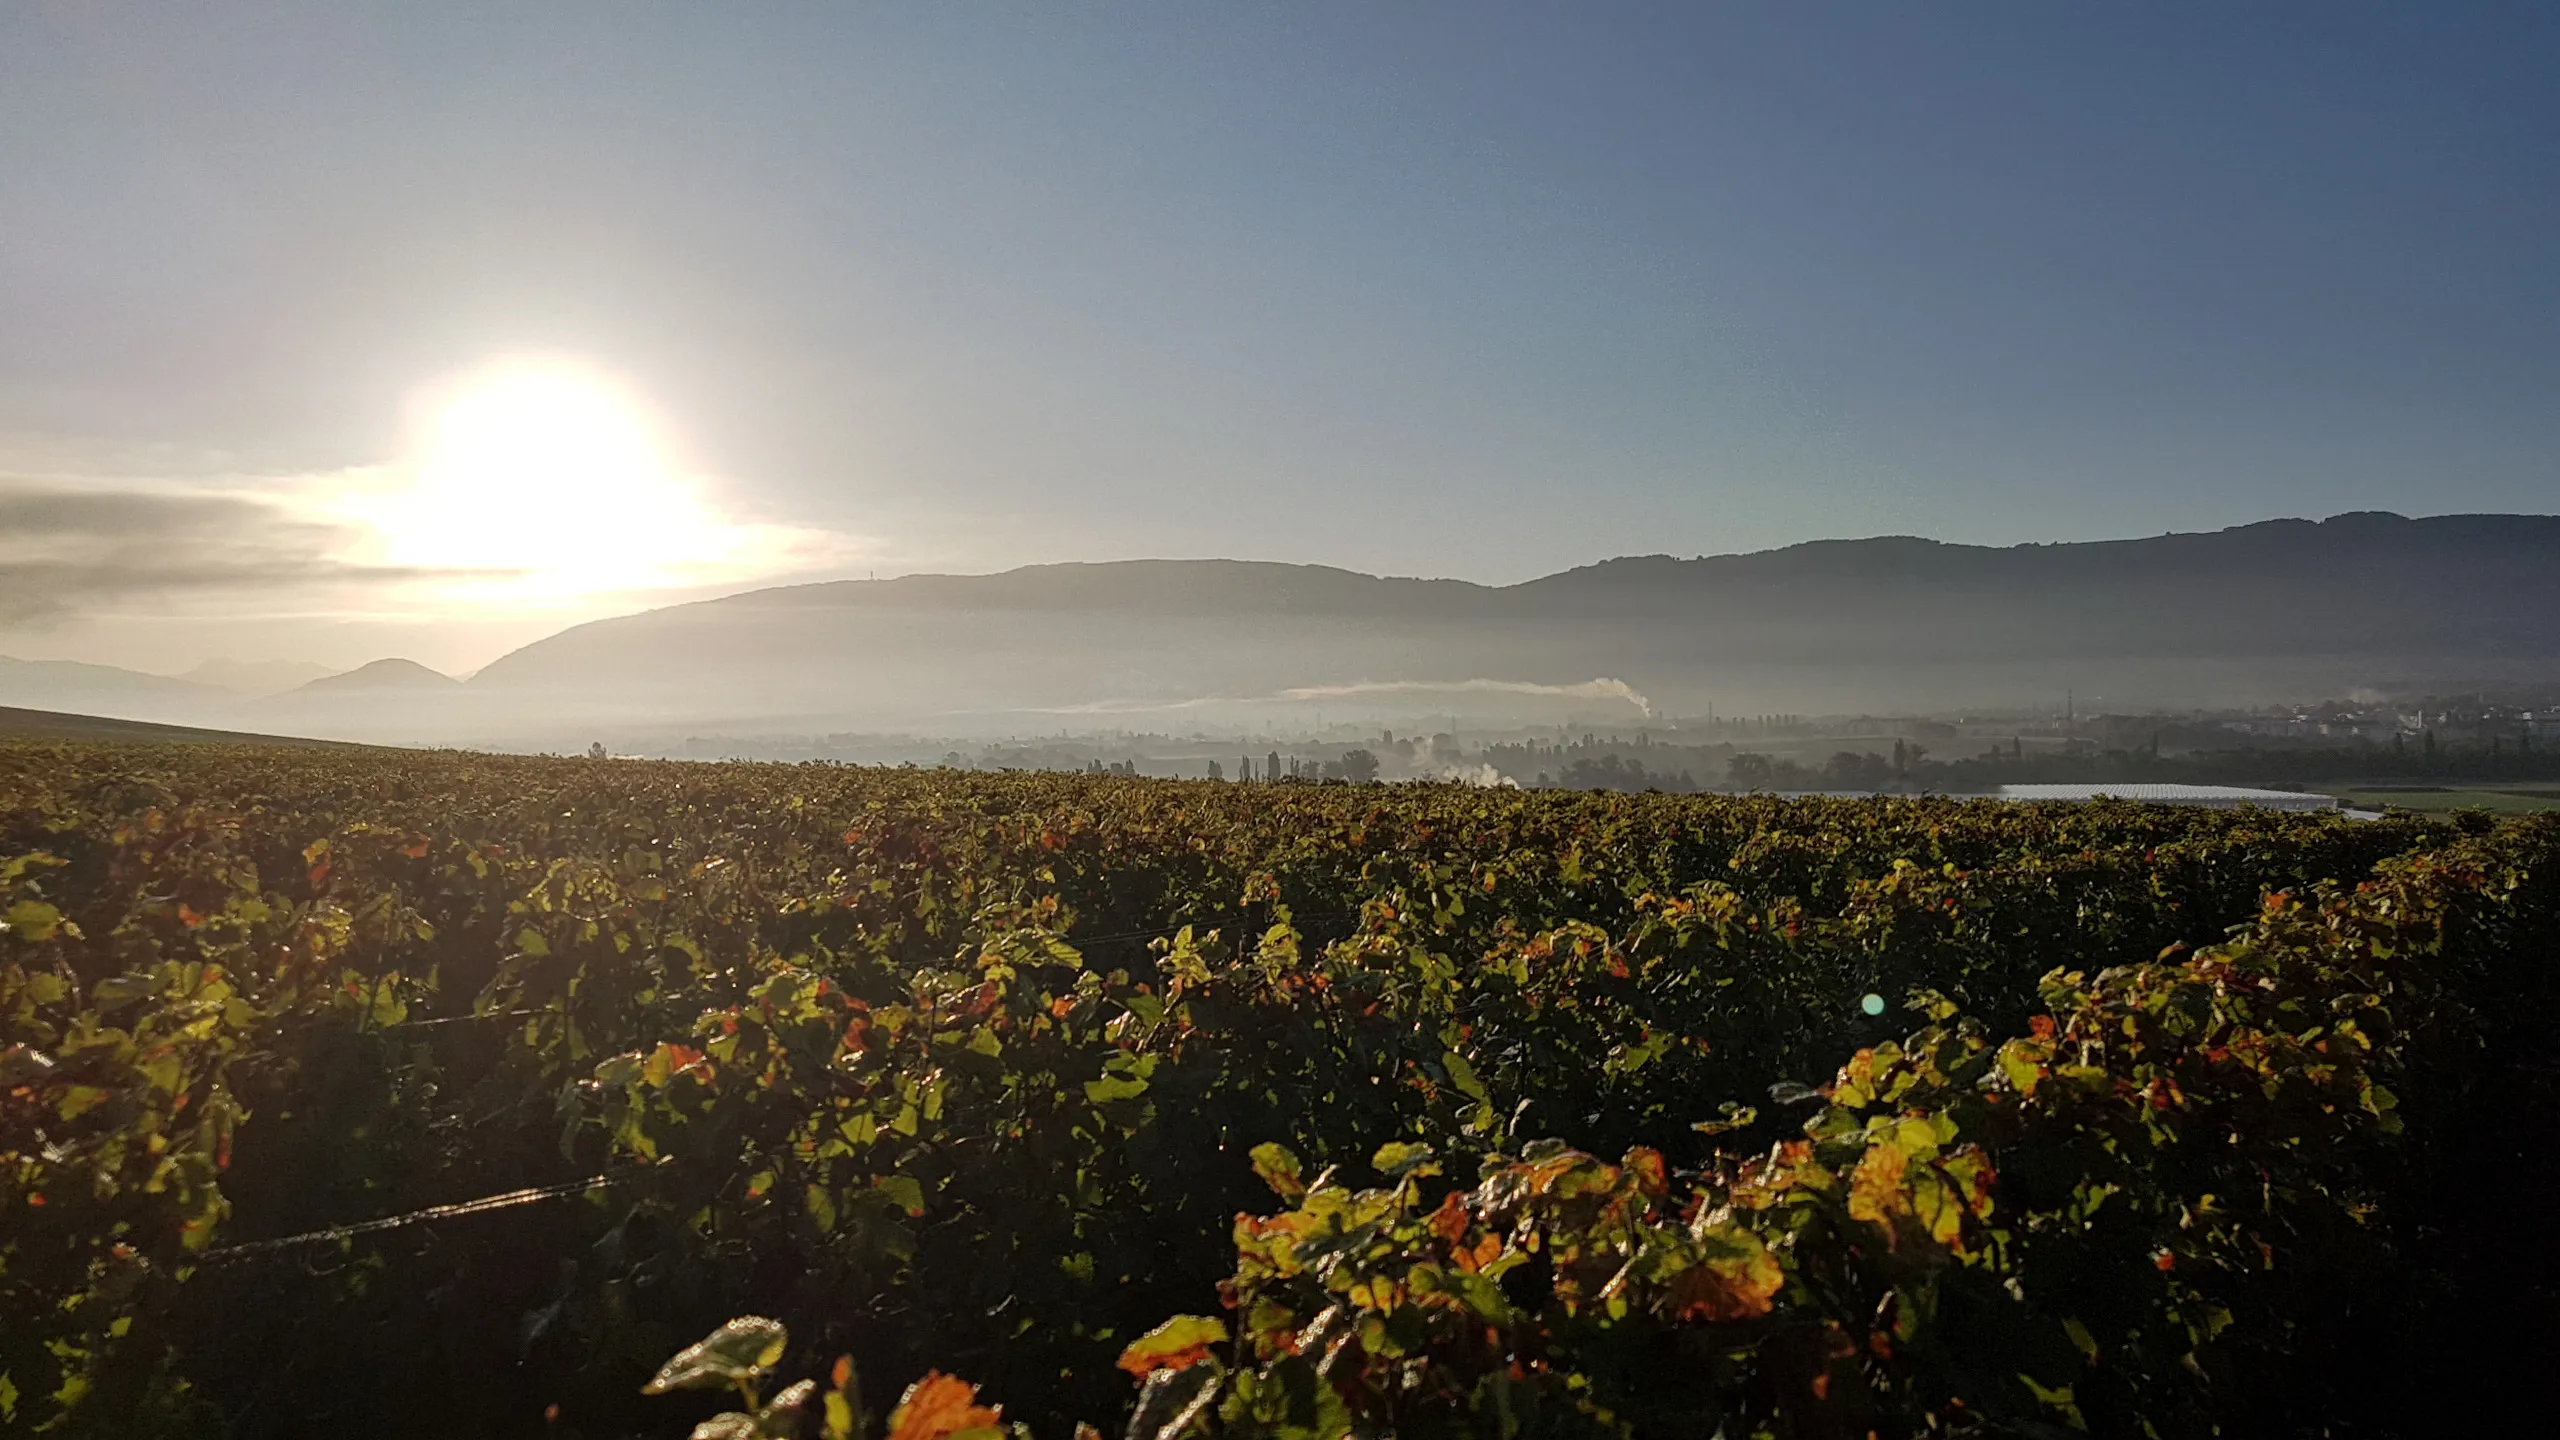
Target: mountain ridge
1073 581
43 678
2353 600
2275 611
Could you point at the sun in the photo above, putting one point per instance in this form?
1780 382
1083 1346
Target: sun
535 479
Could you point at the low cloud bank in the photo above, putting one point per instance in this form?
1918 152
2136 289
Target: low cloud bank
68 551
1596 689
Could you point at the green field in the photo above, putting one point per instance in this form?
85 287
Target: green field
430 1094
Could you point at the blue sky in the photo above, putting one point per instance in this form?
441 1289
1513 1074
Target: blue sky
1468 290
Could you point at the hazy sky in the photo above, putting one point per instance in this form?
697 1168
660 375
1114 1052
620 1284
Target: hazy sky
1468 290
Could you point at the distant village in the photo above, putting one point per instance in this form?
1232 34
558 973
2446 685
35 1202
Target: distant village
2415 746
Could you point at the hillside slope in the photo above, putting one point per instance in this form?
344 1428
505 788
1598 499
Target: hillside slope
2279 609
23 724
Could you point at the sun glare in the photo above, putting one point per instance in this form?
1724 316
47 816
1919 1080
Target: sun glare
543 480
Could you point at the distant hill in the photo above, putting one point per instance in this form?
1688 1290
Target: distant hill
2278 610
71 685
19 724
257 677
380 676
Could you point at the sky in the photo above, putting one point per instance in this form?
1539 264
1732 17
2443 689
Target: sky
345 330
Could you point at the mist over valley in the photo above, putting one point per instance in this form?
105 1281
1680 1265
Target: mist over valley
2283 612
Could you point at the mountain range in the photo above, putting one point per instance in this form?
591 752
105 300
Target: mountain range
73 685
2285 609
2275 611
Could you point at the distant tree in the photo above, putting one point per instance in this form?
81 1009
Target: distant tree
1609 772
1216 772
1850 770
596 751
1749 769
1901 758
1271 766
1357 766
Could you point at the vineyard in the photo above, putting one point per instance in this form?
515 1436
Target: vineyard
951 1102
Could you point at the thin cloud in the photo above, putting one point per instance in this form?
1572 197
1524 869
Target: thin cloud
71 551
304 548
67 514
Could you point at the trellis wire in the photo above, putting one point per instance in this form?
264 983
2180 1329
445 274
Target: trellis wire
507 1200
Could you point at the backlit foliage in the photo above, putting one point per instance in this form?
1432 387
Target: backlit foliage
1207 1109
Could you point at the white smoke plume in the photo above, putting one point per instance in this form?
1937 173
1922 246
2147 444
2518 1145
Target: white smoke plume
1596 689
